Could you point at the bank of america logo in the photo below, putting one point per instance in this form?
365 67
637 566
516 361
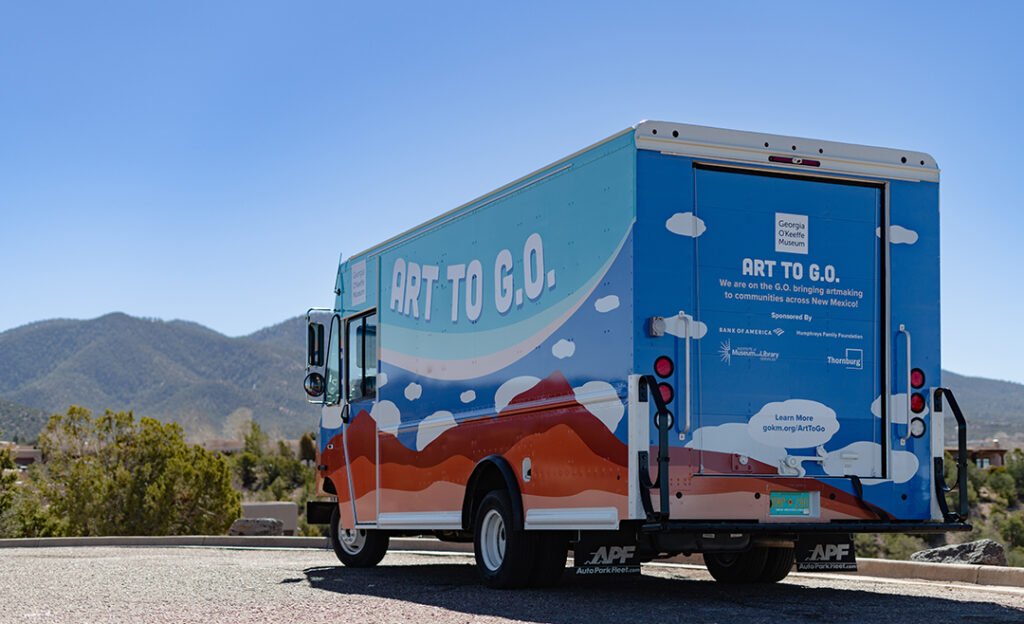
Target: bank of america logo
778 331
725 352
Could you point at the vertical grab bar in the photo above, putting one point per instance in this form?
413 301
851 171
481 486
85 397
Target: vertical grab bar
903 330
688 320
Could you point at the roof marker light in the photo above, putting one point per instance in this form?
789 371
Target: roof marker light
795 160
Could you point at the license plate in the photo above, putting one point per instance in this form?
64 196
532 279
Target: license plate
790 504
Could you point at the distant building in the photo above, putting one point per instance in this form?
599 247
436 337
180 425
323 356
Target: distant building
23 455
227 447
987 455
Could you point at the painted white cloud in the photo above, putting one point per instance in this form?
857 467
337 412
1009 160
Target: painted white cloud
733 438
387 415
899 235
904 467
607 304
563 349
793 423
601 400
511 389
685 224
432 426
674 327
413 391
330 416
859 458
897 409
382 379
468 396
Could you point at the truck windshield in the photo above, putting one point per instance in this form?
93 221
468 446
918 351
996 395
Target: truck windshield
333 370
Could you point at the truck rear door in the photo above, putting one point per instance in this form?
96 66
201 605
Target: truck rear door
790 284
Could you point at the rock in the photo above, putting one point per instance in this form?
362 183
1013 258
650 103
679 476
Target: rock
257 526
981 552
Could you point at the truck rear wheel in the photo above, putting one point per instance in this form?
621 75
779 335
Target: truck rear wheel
504 554
777 565
737 567
357 548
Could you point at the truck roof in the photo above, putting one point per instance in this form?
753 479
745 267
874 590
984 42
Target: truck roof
786 152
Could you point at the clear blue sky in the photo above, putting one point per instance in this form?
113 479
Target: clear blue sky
209 161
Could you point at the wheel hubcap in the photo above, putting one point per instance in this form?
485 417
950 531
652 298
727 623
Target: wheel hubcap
492 540
352 540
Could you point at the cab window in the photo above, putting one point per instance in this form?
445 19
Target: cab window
361 353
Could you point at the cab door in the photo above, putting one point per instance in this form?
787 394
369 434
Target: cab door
789 285
361 447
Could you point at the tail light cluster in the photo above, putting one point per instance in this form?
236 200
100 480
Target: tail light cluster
664 367
917 403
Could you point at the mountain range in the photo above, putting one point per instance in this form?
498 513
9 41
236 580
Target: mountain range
213 384
170 370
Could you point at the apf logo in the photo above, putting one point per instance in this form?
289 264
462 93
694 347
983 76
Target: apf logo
829 552
612 554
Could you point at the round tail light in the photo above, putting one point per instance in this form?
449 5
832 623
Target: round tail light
663 366
917 378
917 402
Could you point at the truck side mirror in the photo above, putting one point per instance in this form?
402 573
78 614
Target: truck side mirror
315 344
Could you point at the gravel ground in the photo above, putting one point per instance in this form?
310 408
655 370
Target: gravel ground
211 585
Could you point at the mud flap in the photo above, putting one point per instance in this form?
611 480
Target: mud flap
599 552
826 553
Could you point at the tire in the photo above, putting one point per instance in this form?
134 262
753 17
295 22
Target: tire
358 548
737 567
777 565
504 554
549 560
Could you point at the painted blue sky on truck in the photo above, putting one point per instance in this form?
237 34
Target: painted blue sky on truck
211 163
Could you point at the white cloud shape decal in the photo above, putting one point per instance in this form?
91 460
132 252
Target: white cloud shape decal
899 235
387 416
685 224
601 400
606 304
903 468
698 329
733 438
468 396
413 391
382 379
433 426
859 458
563 349
793 423
511 389
897 409
330 416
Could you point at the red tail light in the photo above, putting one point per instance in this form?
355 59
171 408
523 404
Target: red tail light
917 402
663 366
917 377
667 393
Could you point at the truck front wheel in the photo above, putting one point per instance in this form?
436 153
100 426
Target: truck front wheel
504 554
357 548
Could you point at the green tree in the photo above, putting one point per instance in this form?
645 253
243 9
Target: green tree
1002 483
255 440
1012 530
113 475
8 479
1015 468
307 449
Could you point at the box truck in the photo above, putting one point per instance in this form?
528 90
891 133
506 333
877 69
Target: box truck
680 339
